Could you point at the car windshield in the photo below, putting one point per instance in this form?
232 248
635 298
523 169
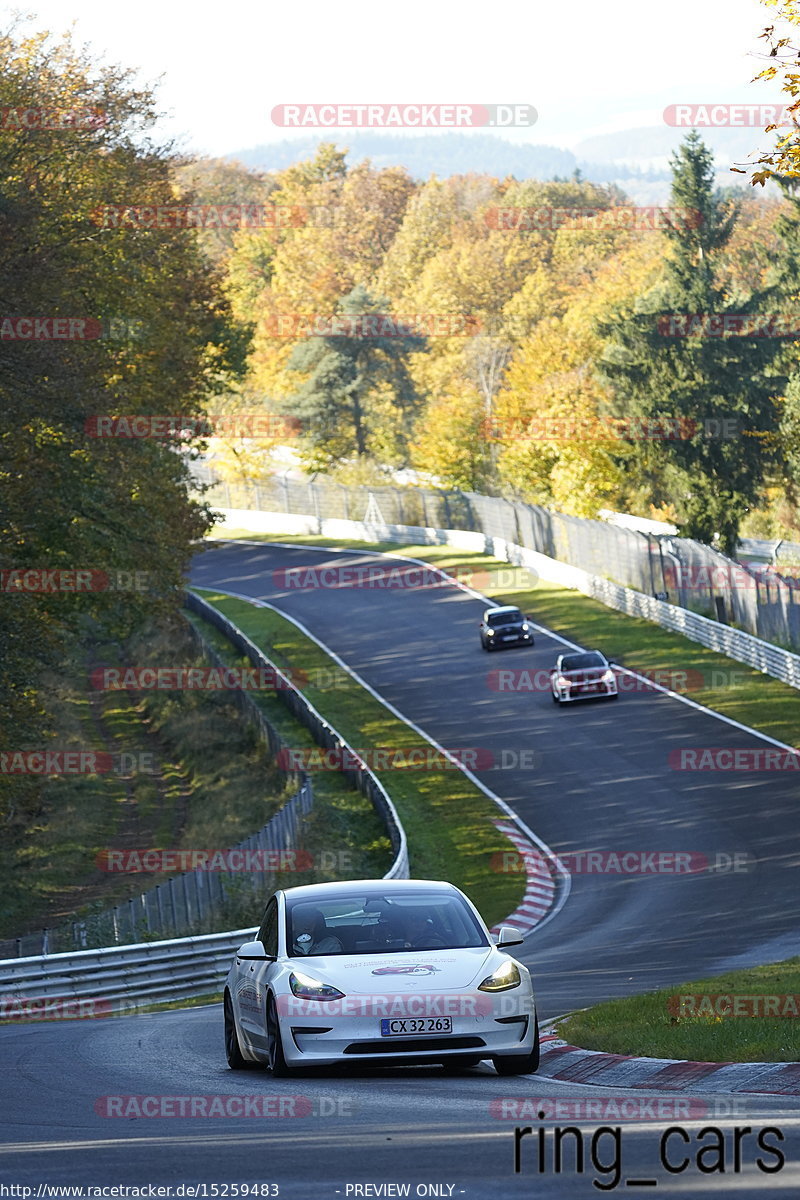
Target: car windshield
580 662
509 617
380 923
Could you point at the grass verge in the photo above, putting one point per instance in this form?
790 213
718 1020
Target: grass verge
343 834
690 1022
188 773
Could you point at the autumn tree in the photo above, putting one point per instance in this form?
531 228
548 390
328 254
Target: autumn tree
784 55
450 443
156 339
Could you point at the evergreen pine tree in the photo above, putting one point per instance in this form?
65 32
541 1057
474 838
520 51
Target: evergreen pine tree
352 380
702 406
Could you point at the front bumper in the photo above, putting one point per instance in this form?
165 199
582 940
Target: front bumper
601 691
312 1040
508 639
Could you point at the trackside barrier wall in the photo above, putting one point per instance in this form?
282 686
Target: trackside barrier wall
734 643
123 977
360 777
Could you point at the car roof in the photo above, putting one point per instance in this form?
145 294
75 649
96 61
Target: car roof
318 891
501 608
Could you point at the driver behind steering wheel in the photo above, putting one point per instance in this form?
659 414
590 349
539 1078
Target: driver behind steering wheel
420 933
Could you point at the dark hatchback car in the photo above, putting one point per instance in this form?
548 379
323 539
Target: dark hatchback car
505 626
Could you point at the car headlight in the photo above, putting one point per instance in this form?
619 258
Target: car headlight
309 988
502 979
562 682
608 677
490 633
525 626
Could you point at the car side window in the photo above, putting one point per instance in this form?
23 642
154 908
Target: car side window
268 933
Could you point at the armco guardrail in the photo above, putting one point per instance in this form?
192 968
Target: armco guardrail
120 978
735 643
323 732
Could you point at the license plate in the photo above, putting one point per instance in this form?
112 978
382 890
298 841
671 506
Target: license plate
510 637
403 1026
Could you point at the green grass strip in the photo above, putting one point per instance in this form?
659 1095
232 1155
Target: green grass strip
343 834
659 1025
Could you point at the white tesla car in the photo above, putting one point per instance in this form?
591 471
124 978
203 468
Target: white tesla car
381 972
583 676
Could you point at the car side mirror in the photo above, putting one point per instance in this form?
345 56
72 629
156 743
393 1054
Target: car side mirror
252 951
508 936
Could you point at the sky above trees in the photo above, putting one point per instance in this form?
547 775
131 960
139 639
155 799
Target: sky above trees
605 67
